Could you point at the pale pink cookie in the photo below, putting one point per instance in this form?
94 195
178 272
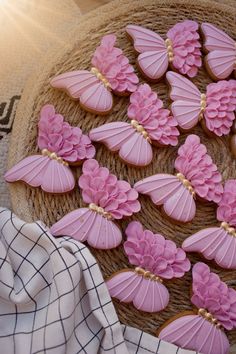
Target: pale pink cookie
155 259
110 73
215 108
109 199
203 329
181 50
150 123
197 175
61 145
219 243
221 58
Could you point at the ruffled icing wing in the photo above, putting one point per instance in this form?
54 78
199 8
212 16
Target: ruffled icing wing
222 51
193 332
86 225
168 190
38 170
119 136
84 86
214 243
145 294
153 60
186 107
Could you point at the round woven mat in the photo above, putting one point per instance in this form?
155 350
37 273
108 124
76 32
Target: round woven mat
32 204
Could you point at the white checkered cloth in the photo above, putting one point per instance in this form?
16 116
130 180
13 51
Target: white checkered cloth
53 298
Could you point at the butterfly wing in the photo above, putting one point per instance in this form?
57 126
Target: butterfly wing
153 60
119 136
186 107
193 332
38 170
222 56
86 225
178 202
84 86
145 294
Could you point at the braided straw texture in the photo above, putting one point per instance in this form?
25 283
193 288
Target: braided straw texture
32 204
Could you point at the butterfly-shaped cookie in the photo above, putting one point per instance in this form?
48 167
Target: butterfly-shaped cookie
61 145
202 330
196 175
110 73
215 109
219 243
221 48
155 259
109 199
150 123
181 50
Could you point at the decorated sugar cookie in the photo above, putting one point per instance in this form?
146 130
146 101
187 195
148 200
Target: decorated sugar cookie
202 330
221 48
109 199
150 123
61 145
219 243
181 50
196 175
110 73
215 109
155 259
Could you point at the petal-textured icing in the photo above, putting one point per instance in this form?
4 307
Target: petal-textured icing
186 47
85 86
147 109
119 136
56 135
213 243
154 253
212 294
186 107
103 189
193 332
197 166
153 60
145 294
40 171
226 210
86 225
222 56
114 65
221 104
168 190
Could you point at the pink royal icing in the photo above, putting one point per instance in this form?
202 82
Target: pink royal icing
216 304
155 259
60 145
149 122
226 210
217 106
181 49
108 199
197 174
60 137
111 71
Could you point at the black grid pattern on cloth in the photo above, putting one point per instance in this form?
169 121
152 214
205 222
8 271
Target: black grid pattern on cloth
53 298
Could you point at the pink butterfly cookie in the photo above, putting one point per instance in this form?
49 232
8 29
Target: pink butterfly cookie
110 73
215 109
219 243
196 175
155 259
109 199
61 145
150 123
181 49
203 329
221 48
